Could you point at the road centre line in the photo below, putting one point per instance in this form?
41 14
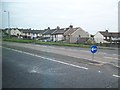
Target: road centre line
48 59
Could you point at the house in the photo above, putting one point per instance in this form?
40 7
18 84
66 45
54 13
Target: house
26 33
31 34
107 37
69 35
72 35
58 35
36 33
48 34
13 31
115 37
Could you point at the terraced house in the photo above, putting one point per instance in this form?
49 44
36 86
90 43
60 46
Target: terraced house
24 33
107 37
74 35
68 35
58 35
28 33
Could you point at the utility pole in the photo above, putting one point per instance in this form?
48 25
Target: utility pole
8 14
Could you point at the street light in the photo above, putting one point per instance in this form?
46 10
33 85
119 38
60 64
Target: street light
8 21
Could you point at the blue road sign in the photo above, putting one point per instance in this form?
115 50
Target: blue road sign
93 48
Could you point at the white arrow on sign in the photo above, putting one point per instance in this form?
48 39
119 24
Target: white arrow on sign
93 49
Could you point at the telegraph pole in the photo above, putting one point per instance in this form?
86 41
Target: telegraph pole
8 13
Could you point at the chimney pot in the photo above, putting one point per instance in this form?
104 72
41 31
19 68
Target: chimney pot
71 26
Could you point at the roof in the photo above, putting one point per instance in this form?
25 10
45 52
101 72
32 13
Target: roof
49 31
32 31
60 31
26 31
115 34
37 31
110 34
104 33
70 31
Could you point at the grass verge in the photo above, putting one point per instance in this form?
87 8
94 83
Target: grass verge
45 43
63 44
18 40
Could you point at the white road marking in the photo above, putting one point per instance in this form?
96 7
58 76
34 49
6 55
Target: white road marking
111 58
86 58
103 53
33 71
116 76
48 59
99 71
114 54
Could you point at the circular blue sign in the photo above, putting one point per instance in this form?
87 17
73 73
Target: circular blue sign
93 48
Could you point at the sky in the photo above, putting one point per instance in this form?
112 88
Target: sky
90 15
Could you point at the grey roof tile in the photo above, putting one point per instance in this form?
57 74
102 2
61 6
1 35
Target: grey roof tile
48 32
70 31
110 34
60 31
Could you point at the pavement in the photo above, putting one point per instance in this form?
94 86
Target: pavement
29 68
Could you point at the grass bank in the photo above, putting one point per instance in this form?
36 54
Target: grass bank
63 44
45 43
18 40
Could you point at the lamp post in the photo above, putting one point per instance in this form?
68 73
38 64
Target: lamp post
8 21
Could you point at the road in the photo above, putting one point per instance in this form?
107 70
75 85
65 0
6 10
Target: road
30 68
102 56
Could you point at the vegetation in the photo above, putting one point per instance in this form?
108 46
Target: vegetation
45 43
52 43
63 44
18 40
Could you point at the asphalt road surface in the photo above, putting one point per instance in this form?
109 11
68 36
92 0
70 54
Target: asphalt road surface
29 68
103 56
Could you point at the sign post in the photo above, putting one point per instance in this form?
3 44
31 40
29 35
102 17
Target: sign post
93 56
93 50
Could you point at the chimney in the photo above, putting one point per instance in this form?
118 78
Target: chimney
48 28
58 28
71 26
107 31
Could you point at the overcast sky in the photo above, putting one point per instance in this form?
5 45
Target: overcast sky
91 15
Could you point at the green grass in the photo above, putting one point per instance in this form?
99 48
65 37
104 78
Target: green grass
45 43
50 43
63 44
18 40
